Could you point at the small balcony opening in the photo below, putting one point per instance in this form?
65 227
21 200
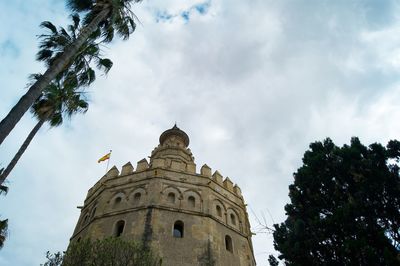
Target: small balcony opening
119 228
228 243
178 229
219 211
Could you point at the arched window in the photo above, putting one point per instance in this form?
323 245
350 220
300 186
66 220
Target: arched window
171 197
93 212
117 201
136 197
119 228
191 201
219 211
228 243
233 219
85 219
178 229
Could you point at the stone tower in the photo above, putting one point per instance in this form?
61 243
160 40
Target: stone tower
189 218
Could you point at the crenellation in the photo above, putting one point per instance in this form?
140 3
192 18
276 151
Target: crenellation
217 177
127 169
237 190
205 170
113 172
191 168
228 184
142 165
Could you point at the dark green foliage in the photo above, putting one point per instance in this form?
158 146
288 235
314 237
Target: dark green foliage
3 188
3 231
109 251
80 71
120 18
53 259
80 5
3 223
345 207
272 261
58 101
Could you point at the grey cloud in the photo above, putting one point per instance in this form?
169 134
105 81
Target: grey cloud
252 83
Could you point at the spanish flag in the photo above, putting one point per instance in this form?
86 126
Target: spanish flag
105 157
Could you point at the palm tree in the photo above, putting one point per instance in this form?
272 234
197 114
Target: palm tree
54 103
102 17
80 74
80 69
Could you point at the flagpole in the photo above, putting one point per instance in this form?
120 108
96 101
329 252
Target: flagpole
108 162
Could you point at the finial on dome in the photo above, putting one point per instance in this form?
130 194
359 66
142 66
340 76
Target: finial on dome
177 132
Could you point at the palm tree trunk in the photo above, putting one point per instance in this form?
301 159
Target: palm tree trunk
21 151
16 113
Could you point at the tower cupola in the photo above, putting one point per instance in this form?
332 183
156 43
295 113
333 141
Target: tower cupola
173 151
174 137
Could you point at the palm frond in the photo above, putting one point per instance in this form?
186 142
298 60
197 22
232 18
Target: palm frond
49 25
76 21
105 64
56 119
3 188
80 5
108 33
44 55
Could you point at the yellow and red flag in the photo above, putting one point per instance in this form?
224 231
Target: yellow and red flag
105 157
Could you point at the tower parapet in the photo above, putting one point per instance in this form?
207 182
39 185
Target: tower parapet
166 203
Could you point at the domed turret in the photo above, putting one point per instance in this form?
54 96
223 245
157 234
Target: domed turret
173 135
172 150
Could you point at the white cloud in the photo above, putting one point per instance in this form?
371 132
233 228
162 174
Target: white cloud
252 83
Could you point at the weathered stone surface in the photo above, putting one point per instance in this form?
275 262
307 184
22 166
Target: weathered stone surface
127 169
142 165
205 170
113 172
217 177
228 184
165 193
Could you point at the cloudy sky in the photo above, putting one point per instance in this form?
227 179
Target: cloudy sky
251 82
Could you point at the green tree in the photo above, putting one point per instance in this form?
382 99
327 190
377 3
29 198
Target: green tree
55 259
103 18
345 207
272 261
110 251
80 72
